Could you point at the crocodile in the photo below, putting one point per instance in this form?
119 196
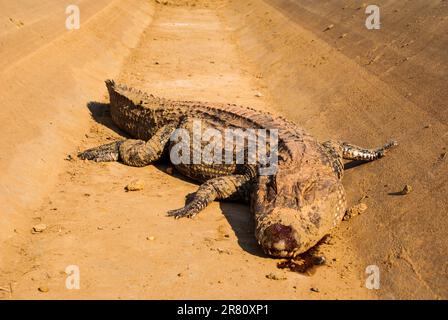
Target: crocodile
294 207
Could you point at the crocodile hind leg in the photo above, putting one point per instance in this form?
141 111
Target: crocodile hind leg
342 150
352 152
136 153
219 188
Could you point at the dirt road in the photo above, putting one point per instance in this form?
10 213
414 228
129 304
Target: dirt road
252 53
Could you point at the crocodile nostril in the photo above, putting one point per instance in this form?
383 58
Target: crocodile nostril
280 237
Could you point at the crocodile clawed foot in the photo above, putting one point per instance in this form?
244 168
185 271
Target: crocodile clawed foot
106 152
184 212
390 145
382 151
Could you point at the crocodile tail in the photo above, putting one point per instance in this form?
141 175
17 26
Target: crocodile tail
119 100
118 104
110 84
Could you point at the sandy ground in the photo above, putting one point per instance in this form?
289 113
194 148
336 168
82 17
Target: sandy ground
271 55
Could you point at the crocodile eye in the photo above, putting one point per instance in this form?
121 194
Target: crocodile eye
307 190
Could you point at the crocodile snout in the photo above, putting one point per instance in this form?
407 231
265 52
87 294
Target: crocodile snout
280 240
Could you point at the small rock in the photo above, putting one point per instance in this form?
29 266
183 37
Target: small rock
361 207
223 251
169 170
258 94
329 27
43 289
406 190
342 35
355 210
150 238
135 185
272 276
326 239
38 228
179 274
314 289
320 260
100 228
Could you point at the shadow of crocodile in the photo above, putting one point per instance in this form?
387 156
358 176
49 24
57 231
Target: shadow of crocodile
100 112
242 222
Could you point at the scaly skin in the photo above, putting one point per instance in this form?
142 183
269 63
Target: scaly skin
293 209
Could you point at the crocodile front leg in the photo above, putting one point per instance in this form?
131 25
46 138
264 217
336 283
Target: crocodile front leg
136 153
214 189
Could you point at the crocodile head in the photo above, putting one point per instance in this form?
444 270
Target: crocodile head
294 212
